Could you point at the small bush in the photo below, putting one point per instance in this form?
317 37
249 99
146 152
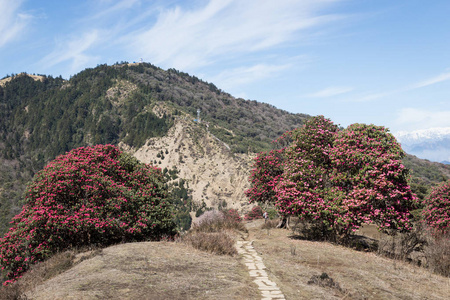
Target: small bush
273 214
232 215
324 280
215 221
255 213
214 242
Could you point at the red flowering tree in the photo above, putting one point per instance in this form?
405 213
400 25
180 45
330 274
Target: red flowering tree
267 173
337 180
265 176
303 190
436 212
89 196
369 180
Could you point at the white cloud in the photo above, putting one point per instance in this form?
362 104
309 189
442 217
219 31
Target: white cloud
73 50
330 92
414 118
431 81
189 39
235 77
12 22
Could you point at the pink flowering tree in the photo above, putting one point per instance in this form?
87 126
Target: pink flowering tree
265 176
369 181
303 190
89 196
267 173
337 180
436 212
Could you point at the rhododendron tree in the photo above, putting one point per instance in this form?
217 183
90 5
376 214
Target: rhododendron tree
337 180
267 173
265 176
303 190
89 196
268 170
436 212
369 179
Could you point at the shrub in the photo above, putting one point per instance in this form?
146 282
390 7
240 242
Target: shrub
213 242
232 215
255 213
215 221
437 208
89 196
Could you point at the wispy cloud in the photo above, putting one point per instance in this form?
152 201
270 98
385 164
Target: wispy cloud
414 118
424 83
437 79
233 78
191 38
12 22
330 92
73 50
110 10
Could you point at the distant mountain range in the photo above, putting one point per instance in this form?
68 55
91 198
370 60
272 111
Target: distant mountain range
432 144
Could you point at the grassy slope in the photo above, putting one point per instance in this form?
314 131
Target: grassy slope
175 271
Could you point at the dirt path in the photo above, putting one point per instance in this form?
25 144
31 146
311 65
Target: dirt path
257 270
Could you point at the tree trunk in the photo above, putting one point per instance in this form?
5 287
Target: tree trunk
284 223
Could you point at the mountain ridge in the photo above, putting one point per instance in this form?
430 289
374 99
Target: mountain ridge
136 106
432 143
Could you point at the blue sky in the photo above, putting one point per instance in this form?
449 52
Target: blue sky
355 61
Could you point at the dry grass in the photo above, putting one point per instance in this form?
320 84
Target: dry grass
39 273
173 270
360 275
438 255
151 270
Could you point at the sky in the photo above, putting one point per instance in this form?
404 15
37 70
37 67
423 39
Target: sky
379 62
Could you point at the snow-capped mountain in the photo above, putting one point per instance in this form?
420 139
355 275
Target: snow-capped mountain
432 144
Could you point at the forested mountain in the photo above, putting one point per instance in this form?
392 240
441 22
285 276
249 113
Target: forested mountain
42 117
127 104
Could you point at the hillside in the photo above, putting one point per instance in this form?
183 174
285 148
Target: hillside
149 112
166 270
128 105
